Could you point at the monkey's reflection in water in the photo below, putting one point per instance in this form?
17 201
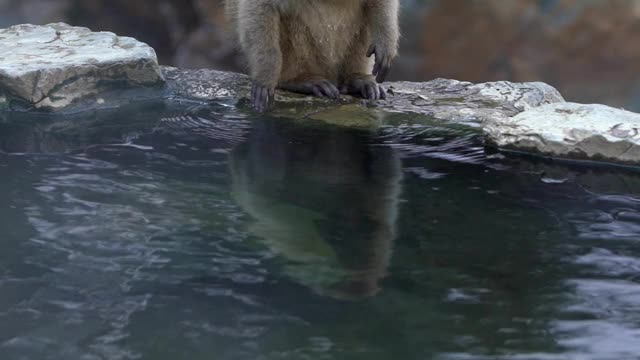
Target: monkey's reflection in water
325 200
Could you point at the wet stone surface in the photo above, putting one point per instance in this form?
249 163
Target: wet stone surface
64 68
442 99
569 130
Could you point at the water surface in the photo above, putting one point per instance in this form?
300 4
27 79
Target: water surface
177 231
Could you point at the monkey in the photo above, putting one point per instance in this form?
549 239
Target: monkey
316 47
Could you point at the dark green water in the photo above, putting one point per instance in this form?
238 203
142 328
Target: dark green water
186 232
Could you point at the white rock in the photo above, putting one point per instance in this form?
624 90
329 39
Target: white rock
52 66
569 130
523 96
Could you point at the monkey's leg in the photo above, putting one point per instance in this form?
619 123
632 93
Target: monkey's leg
382 17
356 78
259 30
313 86
364 86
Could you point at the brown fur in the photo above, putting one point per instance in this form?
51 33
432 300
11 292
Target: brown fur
288 42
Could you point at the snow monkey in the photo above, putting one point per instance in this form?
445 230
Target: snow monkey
316 47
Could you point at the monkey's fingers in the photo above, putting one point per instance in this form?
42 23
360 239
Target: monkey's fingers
382 70
254 94
383 92
317 91
370 91
371 51
271 98
378 66
330 89
326 89
262 98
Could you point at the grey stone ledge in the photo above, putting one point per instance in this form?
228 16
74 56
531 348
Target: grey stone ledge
442 99
56 67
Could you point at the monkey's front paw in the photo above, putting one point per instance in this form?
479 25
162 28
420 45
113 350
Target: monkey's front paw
367 89
262 97
382 66
317 87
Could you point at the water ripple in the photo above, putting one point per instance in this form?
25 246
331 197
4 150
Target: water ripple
179 235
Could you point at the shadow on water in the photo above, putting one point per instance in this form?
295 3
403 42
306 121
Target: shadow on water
175 231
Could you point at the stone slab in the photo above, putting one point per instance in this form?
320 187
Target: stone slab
54 65
569 130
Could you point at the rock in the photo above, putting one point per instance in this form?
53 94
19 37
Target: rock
441 99
522 40
527 117
465 102
53 66
522 96
569 130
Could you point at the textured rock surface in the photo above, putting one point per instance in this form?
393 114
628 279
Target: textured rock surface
466 102
52 66
519 116
569 130
442 99
557 45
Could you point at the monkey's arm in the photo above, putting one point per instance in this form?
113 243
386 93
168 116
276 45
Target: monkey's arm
355 75
259 31
382 19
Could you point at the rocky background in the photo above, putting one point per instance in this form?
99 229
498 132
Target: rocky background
587 49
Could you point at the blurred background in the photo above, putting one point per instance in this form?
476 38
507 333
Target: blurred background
585 48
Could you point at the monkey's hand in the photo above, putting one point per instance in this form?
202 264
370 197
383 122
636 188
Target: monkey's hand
365 87
384 58
262 97
318 87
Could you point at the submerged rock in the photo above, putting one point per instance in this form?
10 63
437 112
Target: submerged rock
54 66
569 130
